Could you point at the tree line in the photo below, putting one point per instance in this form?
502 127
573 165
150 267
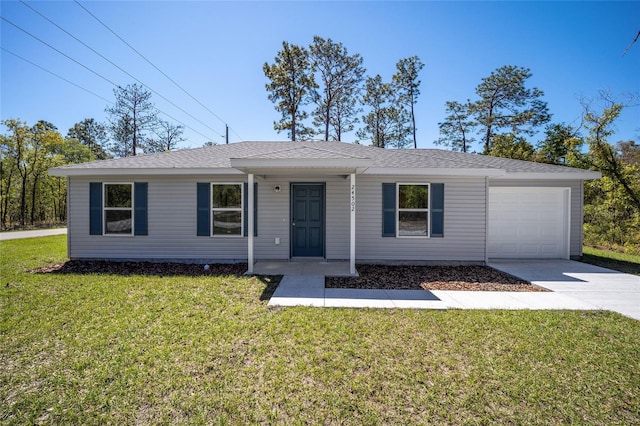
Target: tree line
29 196
327 84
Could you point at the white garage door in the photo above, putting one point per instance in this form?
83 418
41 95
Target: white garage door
528 223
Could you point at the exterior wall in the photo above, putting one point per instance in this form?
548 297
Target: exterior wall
172 222
464 222
575 209
171 214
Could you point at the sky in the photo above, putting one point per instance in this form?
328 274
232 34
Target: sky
216 51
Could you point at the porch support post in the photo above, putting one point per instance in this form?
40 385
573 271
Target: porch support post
250 222
352 238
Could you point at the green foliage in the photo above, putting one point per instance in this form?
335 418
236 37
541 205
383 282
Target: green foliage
512 146
406 86
380 124
28 195
554 148
340 76
290 87
132 119
92 134
457 129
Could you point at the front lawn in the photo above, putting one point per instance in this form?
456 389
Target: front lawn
623 262
111 349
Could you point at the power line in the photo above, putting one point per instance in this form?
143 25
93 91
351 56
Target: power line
154 66
62 53
56 75
97 74
120 68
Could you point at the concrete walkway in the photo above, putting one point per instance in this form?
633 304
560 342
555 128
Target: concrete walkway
4 236
574 285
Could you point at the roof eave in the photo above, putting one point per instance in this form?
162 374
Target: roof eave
577 175
174 171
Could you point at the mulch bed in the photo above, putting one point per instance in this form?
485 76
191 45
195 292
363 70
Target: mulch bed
467 278
143 268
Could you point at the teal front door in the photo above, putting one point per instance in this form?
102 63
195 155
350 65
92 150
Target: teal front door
307 220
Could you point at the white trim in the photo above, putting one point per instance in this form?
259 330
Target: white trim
567 206
227 209
427 210
486 220
577 175
250 223
352 224
104 209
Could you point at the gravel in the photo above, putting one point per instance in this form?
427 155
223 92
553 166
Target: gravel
466 278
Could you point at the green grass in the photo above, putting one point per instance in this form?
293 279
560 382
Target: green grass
624 262
107 349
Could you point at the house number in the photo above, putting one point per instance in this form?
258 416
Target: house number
353 198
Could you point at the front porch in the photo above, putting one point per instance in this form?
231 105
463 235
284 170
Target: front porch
323 268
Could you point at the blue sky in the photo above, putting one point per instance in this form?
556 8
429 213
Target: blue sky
216 50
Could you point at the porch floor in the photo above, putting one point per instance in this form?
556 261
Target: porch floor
336 268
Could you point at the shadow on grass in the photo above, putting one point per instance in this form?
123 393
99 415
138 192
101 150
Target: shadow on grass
270 284
615 264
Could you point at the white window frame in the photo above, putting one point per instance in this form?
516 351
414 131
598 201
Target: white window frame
427 210
215 209
105 208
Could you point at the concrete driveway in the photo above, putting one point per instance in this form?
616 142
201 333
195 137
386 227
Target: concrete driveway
599 287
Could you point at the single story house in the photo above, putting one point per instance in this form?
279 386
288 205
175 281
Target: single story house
250 201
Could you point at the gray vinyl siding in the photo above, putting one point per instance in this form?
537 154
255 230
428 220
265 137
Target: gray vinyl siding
171 213
576 208
172 221
464 222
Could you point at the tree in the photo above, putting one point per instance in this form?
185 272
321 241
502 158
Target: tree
407 88
379 123
92 134
457 128
131 119
290 87
340 75
603 156
559 140
168 136
505 103
511 146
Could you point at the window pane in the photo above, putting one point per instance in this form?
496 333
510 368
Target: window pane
118 195
227 196
117 222
412 224
227 223
413 197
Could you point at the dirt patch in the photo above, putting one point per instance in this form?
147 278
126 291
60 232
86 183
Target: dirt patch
142 268
467 278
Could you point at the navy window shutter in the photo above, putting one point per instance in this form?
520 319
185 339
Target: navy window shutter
95 208
437 210
245 209
140 190
388 209
204 209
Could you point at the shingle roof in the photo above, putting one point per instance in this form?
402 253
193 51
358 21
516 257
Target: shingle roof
219 157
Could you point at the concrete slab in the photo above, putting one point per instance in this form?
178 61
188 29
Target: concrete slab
593 286
356 298
297 290
284 267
